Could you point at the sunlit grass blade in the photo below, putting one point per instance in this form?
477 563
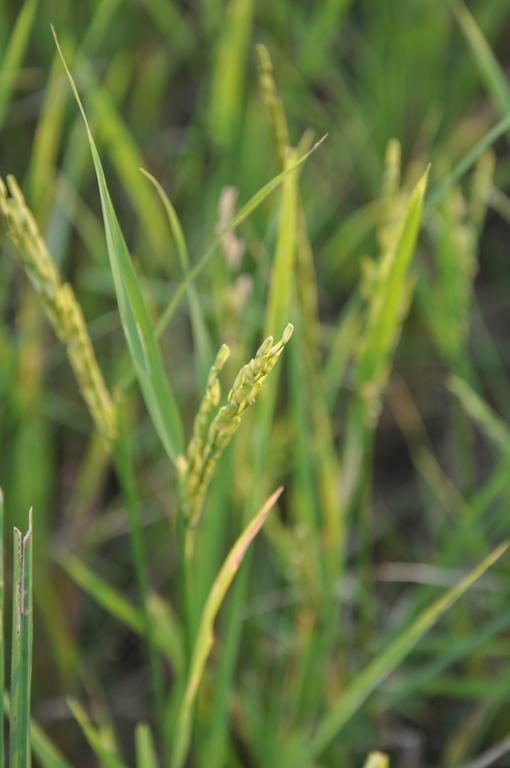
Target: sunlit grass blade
357 692
145 750
205 634
14 53
201 337
21 653
101 745
140 336
478 410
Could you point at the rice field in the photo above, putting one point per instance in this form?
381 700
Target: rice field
254 384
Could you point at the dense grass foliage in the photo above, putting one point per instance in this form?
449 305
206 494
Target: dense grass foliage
254 383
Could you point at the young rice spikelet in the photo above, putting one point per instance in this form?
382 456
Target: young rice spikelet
207 445
59 302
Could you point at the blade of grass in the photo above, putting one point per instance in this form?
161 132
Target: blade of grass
201 338
357 692
490 69
465 164
21 658
205 634
488 421
140 336
228 71
101 747
379 337
145 751
43 748
14 54
166 634
234 222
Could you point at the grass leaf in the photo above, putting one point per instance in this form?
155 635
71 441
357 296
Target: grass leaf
14 54
21 655
205 634
356 693
140 336
144 744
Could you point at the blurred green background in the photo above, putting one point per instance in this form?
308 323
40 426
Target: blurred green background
174 87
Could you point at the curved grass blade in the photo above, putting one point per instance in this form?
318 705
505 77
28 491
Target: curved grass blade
201 337
140 336
386 662
205 635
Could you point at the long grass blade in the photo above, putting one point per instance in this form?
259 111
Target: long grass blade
205 634
140 336
145 750
100 745
201 337
383 665
21 655
478 410
14 54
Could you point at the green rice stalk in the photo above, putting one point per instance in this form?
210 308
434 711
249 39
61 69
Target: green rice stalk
21 654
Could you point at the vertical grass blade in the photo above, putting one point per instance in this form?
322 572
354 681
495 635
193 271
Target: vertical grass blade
21 659
202 345
144 744
136 323
205 634
14 53
388 300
